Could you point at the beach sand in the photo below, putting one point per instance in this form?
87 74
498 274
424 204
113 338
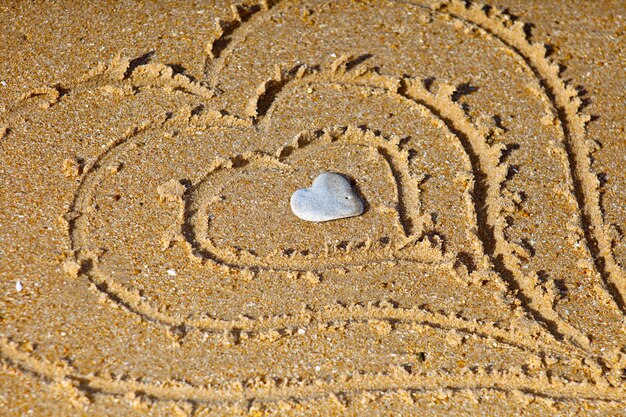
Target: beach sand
150 263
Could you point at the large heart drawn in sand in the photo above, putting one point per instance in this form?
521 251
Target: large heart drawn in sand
194 204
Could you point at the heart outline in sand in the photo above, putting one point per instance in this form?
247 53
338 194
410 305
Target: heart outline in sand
400 244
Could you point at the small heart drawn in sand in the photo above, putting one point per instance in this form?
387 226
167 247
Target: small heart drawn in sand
330 197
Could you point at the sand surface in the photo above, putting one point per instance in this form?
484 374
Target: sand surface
150 262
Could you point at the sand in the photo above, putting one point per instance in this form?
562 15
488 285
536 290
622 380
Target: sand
150 263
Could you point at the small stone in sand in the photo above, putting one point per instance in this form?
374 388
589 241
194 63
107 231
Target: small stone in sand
330 197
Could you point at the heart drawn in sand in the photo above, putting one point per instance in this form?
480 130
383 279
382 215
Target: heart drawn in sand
330 197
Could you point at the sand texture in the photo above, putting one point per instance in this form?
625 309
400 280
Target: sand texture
150 263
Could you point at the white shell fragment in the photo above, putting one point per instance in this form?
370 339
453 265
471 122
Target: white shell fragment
330 197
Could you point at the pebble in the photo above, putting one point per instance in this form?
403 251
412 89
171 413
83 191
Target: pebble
330 197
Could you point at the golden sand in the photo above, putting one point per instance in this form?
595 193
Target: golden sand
151 265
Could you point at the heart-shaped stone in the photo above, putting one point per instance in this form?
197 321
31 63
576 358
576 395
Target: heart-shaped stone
330 197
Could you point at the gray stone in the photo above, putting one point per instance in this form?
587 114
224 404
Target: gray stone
330 197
